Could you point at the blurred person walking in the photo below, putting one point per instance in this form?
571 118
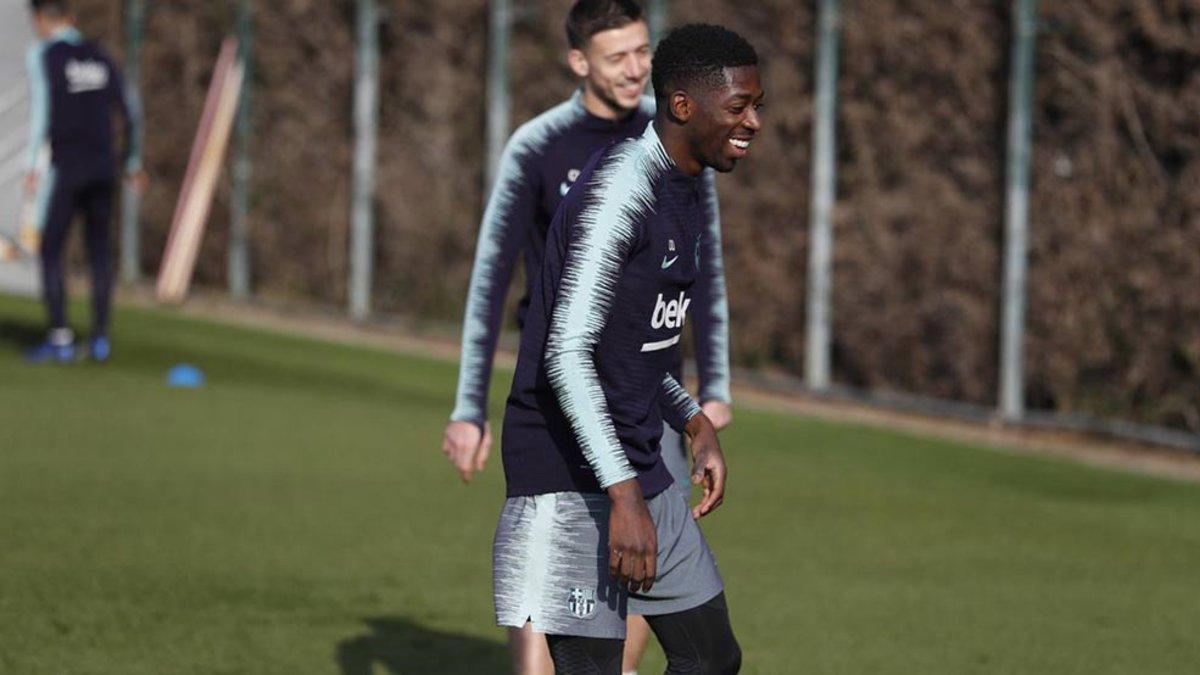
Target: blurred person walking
610 54
75 87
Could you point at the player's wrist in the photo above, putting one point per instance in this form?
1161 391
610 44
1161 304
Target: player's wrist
626 492
697 425
481 423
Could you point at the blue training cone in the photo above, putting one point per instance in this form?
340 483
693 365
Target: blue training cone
185 375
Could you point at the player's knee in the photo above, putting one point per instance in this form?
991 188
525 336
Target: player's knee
724 657
729 662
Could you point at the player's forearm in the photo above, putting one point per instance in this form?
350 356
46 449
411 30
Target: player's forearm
495 256
576 386
38 109
678 407
712 311
481 327
711 330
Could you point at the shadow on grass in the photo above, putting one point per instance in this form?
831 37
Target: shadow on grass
21 334
401 646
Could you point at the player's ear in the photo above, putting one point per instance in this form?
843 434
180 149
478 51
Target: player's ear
681 106
578 63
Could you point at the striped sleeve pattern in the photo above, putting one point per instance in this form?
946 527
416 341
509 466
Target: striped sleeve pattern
129 104
39 104
507 219
677 406
711 327
619 195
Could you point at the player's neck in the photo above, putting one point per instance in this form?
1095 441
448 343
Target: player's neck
598 107
678 149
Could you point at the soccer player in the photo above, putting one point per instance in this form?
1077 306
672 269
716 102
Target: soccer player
589 529
610 53
74 88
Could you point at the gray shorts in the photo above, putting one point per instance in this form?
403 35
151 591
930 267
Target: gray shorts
550 565
675 456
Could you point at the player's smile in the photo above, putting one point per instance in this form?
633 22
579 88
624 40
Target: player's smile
730 118
632 87
740 146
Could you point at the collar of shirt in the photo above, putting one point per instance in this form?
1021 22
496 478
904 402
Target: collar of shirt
69 34
594 121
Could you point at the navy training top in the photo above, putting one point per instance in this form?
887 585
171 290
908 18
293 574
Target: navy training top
541 161
75 86
601 336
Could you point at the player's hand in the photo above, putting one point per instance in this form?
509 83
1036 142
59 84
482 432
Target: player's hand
467 446
31 183
632 539
138 180
30 239
719 413
708 464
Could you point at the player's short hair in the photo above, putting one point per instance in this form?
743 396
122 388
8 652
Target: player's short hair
588 17
698 54
52 7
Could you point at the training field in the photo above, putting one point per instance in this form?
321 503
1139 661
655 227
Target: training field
296 516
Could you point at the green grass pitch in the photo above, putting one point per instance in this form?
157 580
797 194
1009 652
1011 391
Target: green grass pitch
296 516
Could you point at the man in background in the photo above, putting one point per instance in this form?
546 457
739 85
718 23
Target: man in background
75 87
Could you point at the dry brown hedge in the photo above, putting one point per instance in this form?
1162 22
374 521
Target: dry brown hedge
1114 314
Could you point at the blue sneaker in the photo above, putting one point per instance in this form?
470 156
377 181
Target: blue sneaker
99 348
48 352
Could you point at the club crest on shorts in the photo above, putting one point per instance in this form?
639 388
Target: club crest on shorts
582 602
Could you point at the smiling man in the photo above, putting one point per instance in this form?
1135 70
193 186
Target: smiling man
610 54
589 530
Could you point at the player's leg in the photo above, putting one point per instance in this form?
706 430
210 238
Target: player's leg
60 341
674 454
699 640
97 202
576 655
685 592
530 654
637 636
550 574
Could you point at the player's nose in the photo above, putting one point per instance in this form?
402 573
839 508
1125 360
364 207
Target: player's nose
752 122
636 68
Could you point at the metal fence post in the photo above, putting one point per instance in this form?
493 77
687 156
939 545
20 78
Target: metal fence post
131 201
824 187
1016 222
366 120
498 104
239 246
656 18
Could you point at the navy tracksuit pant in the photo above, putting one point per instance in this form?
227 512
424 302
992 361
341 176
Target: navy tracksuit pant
86 191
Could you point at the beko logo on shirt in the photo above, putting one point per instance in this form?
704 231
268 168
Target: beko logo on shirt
670 314
86 76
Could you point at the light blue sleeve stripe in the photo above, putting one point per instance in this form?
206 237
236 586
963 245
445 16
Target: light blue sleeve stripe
39 104
507 220
678 403
45 190
711 327
620 193
496 251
